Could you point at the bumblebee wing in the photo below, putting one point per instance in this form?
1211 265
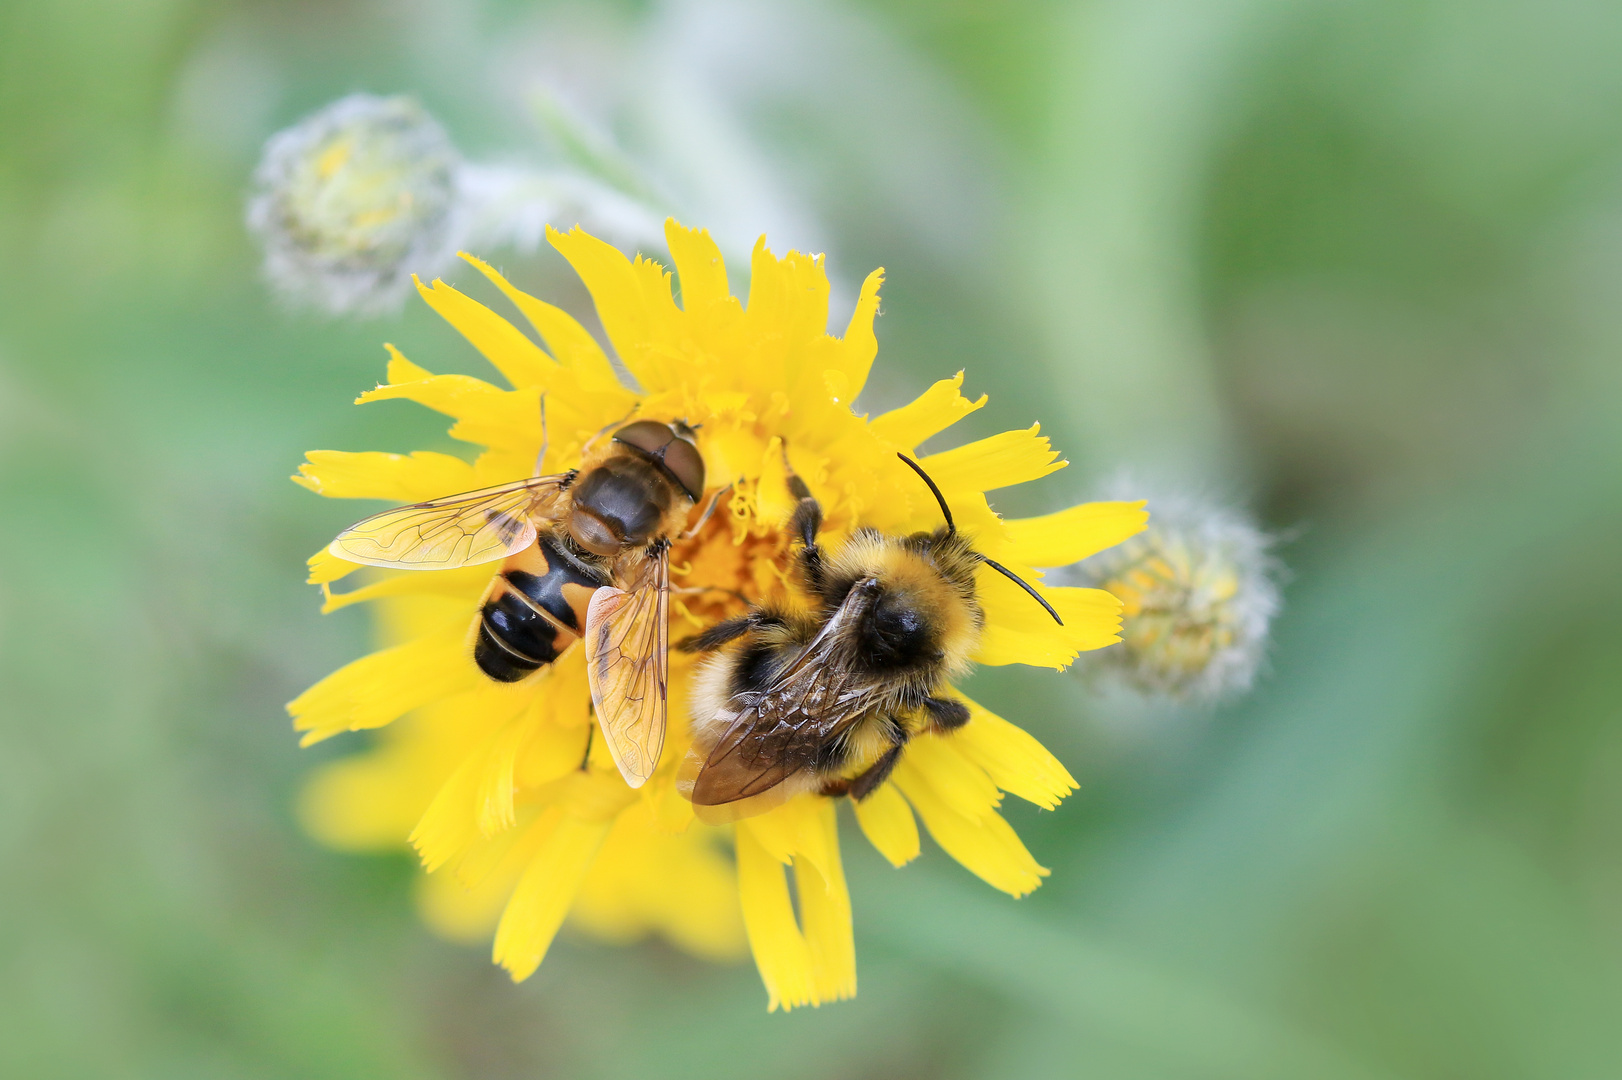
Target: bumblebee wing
772 739
628 667
459 530
782 730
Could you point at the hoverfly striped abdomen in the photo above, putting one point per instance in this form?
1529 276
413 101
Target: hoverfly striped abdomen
535 609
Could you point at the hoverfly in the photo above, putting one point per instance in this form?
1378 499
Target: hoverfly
805 698
587 556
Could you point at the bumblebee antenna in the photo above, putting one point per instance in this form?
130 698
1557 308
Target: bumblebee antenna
951 527
1017 580
946 511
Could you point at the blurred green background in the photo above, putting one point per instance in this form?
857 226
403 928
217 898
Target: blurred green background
1358 264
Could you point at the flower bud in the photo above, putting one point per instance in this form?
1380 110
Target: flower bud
1198 589
353 199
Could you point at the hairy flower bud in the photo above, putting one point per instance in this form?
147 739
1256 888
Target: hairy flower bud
1198 589
353 199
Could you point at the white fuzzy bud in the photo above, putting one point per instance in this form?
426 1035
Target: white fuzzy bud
1199 589
353 199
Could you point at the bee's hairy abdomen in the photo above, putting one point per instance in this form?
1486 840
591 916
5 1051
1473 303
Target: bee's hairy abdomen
774 642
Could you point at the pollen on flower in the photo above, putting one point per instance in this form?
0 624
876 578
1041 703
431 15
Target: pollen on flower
1199 590
349 201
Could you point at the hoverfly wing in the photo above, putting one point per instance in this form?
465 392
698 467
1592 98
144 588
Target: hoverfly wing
628 668
459 530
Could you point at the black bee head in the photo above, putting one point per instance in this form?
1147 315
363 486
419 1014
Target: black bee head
896 630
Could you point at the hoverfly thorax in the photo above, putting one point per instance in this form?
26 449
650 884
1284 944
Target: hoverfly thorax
619 504
626 500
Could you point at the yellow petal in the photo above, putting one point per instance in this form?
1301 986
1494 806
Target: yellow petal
930 413
465 584
671 813
646 880
484 413
773 500
838 386
1012 457
489 859
1072 535
796 828
408 478
616 291
779 948
465 907
788 299
860 346
825 914
988 848
699 266
545 892
376 798
1012 757
1018 631
957 780
325 568
503 344
553 751
572 344
497 781
660 362
405 616
888 824
382 687
402 370
456 912
458 817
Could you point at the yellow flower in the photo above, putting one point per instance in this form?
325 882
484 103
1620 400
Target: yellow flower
487 779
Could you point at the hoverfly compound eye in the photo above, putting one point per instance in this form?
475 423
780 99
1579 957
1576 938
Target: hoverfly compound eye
685 464
648 436
675 452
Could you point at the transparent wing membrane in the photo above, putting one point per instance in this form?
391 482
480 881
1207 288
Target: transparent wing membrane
627 666
459 530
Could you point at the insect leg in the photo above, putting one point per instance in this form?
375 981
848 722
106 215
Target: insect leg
585 758
696 590
708 510
606 428
868 781
804 523
540 457
946 714
721 633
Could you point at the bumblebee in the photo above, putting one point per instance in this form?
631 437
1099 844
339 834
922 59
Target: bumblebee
587 556
826 700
